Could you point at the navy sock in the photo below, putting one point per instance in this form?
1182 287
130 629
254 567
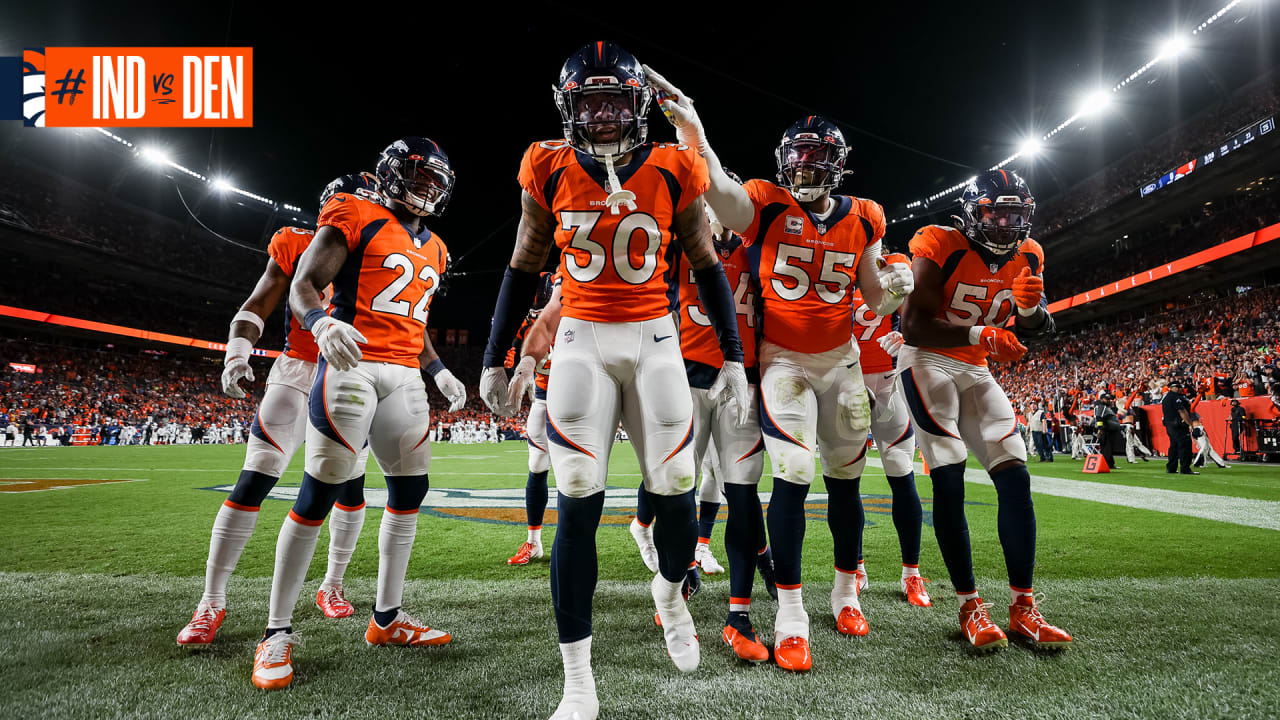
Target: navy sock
740 621
574 565
907 516
950 526
740 541
273 631
786 529
707 518
315 499
352 494
675 533
1016 520
845 518
535 498
644 508
385 617
252 488
406 492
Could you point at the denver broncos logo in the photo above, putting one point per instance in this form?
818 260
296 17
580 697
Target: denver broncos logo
33 87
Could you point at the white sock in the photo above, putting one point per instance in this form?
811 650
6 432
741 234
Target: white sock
535 535
344 530
843 594
395 544
792 618
862 567
294 549
1015 593
966 597
232 529
579 683
910 571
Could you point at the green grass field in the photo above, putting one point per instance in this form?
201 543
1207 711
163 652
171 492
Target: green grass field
1167 582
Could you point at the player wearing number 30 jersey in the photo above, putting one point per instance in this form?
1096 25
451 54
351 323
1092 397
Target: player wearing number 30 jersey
969 282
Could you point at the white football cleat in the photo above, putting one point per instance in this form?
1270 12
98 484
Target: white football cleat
644 540
677 624
578 706
706 560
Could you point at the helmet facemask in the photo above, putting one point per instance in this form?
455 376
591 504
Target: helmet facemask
809 167
605 118
999 226
423 186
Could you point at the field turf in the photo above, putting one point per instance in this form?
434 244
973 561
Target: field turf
1174 615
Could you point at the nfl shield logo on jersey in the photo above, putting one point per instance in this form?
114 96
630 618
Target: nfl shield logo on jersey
994 268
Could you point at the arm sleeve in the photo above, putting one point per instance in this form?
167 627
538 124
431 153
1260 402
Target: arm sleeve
343 212
717 299
516 294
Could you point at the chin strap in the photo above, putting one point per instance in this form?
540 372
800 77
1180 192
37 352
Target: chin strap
617 196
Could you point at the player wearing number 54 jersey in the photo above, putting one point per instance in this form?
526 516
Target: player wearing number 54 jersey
621 211
969 282
807 247
384 265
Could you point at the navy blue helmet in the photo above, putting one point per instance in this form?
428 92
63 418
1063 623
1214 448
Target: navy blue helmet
603 98
996 210
363 185
414 173
811 158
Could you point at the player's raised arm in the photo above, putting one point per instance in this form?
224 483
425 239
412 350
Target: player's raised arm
730 202
534 237
317 267
246 327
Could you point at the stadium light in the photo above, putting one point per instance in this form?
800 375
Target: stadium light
1029 148
221 185
1174 46
154 156
1095 102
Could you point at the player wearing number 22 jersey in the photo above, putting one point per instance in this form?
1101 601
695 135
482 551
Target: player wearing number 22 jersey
621 210
384 265
969 281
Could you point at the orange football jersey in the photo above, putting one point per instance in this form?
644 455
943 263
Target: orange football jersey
615 268
384 288
868 328
974 292
807 266
286 246
698 341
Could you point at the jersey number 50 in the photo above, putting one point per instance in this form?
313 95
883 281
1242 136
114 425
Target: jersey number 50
964 312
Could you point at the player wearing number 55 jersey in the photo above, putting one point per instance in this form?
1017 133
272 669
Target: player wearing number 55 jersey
384 265
807 247
621 211
969 281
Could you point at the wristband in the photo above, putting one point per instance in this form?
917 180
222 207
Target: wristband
250 317
975 334
238 348
311 317
434 368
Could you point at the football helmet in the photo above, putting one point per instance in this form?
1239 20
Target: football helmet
811 158
363 185
996 210
414 173
546 285
603 98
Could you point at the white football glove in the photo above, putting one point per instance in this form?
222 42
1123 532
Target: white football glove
452 388
891 343
521 382
678 108
237 368
338 342
493 390
733 377
896 278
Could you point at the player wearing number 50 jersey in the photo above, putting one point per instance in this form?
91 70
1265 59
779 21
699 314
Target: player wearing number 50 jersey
621 211
277 431
969 282
384 265
807 248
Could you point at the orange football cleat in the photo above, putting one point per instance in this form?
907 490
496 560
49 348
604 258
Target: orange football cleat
1025 620
852 622
273 661
405 630
527 552
203 627
333 602
978 628
792 653
746 645
913 589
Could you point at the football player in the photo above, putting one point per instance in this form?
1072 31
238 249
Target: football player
878 343
539 363
969 280
277 431
807 247
384 265
621 210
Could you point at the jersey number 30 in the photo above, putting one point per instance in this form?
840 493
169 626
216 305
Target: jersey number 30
582 223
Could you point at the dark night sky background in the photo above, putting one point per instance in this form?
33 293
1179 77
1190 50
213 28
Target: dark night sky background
926 92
